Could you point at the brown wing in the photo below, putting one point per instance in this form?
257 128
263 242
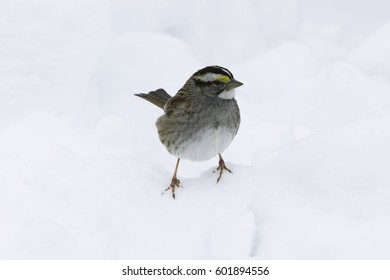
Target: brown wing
179 100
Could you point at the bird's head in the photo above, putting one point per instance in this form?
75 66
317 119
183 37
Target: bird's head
216 81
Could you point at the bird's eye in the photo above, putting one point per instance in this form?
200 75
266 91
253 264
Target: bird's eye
216 83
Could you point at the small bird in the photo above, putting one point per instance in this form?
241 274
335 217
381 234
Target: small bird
201 120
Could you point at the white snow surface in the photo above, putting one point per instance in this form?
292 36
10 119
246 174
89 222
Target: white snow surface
82 169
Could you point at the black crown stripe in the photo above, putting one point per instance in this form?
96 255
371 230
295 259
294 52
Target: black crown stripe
215 70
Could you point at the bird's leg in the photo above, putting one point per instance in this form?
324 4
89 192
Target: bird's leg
221 167
175 183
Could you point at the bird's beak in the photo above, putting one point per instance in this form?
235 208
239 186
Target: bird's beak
233 84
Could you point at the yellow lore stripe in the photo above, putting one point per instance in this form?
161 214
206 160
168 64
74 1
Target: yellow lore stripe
223 78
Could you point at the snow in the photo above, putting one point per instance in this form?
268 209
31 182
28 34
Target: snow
82 170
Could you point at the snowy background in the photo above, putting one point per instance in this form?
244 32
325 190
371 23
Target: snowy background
81 166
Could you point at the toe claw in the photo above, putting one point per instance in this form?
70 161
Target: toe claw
221 167
175 183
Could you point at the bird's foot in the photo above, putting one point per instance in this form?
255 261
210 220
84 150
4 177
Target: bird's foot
175 183
221 167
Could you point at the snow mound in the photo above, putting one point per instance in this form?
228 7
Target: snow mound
373 54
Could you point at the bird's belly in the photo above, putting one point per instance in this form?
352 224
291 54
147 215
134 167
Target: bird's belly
205 144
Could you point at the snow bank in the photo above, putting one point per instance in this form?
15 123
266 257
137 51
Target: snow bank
327 189
373 53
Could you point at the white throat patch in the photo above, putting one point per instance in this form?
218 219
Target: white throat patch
227 94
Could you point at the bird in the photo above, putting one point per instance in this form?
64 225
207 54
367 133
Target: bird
201 120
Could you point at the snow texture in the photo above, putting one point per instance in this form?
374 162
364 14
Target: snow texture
82 169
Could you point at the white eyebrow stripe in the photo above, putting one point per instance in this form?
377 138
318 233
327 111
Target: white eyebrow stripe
209 77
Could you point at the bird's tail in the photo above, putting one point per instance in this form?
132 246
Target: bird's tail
158 97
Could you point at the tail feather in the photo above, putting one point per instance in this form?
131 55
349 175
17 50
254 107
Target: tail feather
158 97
